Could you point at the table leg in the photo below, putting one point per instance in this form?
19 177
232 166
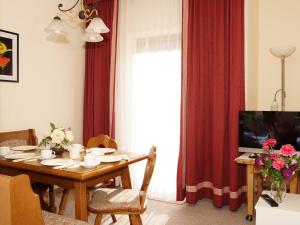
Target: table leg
260 185
80 201
294 184
250 190
125 177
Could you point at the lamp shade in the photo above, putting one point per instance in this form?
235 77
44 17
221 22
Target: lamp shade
280 51
92 37
97 25
56 26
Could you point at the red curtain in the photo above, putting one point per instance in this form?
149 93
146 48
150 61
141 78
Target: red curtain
99 77
212 95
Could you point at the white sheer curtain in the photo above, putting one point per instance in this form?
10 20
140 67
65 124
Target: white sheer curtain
148 83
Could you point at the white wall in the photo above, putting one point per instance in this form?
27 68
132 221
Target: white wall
278 24
51 74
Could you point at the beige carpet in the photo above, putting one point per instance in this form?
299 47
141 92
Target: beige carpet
161 213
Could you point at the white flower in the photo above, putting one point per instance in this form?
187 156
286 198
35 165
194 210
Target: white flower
57 136
69 135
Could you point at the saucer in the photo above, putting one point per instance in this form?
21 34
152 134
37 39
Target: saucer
88 166
52 157
7 153
108 150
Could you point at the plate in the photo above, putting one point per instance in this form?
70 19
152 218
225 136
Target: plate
4 154
19 156
88 166
108 150
24 148
56 162
108 159
52 157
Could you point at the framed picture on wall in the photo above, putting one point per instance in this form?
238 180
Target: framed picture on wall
9 56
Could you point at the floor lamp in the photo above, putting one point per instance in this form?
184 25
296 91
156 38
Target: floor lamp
281 52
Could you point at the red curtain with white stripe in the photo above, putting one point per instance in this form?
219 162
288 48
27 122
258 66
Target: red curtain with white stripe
212 95
100 76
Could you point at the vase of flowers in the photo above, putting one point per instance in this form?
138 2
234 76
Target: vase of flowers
278 167
58 139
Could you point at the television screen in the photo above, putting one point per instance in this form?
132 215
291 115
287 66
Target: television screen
257 126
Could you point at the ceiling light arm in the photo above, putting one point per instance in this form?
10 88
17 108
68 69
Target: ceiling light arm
89 14
66 10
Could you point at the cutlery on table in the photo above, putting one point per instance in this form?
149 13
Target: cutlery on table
66 165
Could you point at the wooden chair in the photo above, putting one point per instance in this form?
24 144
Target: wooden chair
20 206
123 201
98 141
102 141
28 137
17 138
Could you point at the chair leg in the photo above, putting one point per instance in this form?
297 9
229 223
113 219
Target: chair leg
63 201
114 219
52 199
98 219
139 219
130 219
134 220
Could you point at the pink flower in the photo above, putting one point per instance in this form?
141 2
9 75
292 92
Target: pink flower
265 147
270 143
278 163
287 150
273 156
260 161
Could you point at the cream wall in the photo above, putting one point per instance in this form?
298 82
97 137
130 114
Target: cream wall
251 52
51 74
278 24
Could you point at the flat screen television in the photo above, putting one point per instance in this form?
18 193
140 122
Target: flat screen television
257 126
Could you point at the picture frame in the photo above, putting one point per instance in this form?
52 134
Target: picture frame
9 56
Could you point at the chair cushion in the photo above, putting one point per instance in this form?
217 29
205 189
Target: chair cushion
111 199
55 219
13 142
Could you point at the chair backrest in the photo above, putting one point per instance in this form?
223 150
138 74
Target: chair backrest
21 137
102 141
18 204
148 174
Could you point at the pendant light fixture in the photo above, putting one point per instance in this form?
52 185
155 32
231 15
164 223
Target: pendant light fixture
85 14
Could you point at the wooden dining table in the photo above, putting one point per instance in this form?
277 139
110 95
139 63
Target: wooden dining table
78 178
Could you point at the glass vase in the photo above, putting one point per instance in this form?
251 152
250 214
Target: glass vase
278 190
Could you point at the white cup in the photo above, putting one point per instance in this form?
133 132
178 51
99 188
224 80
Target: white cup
47 153
78 146
89 160
96 151
74 153
4 150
